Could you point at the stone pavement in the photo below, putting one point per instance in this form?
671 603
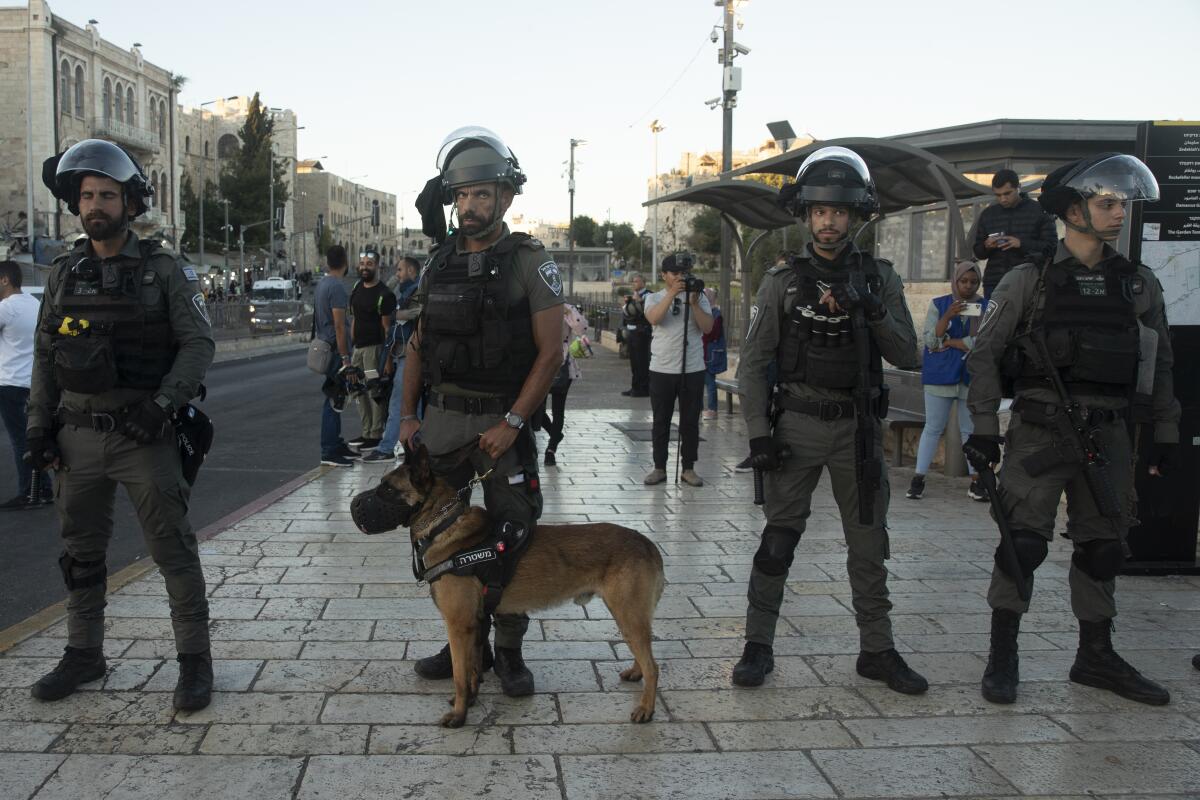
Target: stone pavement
316 626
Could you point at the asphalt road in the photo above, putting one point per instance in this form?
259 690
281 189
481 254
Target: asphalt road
266 412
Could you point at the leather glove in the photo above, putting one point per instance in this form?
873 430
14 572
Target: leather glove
982 451
41 449
146 422
850 298
763 455
1162 456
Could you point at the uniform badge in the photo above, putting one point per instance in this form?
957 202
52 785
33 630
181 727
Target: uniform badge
753 321
1092 285
551 277
147 278
189 274
993 308
198 302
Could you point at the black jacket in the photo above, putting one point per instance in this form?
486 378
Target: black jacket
1027 222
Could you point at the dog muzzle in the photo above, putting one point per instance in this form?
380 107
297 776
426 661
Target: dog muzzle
380 510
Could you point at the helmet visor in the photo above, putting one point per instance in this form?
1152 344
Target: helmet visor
451 144
842 154
98 156
1123 177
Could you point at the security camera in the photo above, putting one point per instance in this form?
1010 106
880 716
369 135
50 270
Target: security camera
713 103
741 48
712 36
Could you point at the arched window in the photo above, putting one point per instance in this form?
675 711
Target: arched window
187 144
154 185
227 146
79 91
119 103
164 186
129 106
206 149
64 84
162 122
107 99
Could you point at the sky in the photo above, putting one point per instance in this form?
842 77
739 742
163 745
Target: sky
378 84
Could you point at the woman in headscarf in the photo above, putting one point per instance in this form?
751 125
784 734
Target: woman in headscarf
950 327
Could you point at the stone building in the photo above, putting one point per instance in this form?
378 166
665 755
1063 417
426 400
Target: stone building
81 87
345 207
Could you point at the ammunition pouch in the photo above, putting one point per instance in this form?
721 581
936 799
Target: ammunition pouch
85 364
830 368
1102 357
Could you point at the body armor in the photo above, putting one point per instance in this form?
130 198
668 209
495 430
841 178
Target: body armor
1090 327
473 337
110 331
815 346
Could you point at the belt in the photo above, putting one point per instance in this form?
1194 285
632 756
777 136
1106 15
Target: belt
101 422
476 406
1040 413
827 410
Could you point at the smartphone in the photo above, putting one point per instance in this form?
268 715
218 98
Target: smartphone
995 235
371 374
972 310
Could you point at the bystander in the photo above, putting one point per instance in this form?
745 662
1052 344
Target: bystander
1011 231
407 311
330 324
18 322
372 306
715 357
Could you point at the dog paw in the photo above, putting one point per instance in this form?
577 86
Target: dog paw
642 714
453 720
632 674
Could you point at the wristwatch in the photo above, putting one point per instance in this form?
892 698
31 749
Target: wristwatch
514 420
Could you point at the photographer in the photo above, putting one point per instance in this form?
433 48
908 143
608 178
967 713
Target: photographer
674 371
637 337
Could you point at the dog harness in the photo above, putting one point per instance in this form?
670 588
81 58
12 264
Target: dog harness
493 562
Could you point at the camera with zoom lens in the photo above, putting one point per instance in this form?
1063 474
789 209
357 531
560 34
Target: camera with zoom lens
691 283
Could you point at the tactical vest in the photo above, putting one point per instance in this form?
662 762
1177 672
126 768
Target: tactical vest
1091 329
473 337
634 316
115 337
816 347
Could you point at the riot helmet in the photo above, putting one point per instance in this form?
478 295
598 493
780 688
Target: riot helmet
476 155
63 173
1116 175
833 176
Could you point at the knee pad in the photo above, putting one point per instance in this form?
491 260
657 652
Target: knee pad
82 574
1031 550
1101 559
776 550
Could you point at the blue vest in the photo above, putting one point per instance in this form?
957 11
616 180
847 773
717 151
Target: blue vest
947 367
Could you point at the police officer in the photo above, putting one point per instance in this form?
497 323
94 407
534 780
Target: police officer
638 333
804 320
123 341
1094 311
488 346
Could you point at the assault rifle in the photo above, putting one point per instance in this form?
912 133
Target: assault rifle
868 471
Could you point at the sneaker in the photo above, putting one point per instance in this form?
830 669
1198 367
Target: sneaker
655 476
690 477
744 465
357 442
18 503
976 491
917 489
336 460
345 452
377 455
709 414
368 444
338 403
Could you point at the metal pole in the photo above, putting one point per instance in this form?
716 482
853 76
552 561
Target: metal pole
270 204
226 204
29 227
203 157
571 224
729 99
655 128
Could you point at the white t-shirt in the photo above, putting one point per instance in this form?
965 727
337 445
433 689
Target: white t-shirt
18 320
666 347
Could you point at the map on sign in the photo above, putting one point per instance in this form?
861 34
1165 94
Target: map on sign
1177 265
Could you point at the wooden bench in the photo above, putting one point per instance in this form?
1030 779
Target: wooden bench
730 388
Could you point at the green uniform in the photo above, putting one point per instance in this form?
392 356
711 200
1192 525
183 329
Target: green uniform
1031 502
512 491
817 443
95 461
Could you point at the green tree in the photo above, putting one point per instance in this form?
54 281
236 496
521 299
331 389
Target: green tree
325 242
245 179
705 238
585 229
214 217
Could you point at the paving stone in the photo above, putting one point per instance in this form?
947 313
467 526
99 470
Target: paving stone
355 651
715 776
470 740
237 651
283 630
130 739
603 707
1125 727
1129 767
126 673
307 676
956 730
293 608
52 647
428 709
382 608
776 735
661 737
938 668
765 704
283 590
421 777
707 673
22 773
955 700
112 708
228 676
909 772
212 777
27 737
258 707
284 739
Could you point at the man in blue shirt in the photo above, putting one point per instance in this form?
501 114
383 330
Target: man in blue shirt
332 325
407 311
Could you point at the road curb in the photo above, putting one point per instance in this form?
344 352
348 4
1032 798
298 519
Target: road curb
40 621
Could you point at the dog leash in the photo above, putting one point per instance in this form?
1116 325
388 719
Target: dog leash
438 525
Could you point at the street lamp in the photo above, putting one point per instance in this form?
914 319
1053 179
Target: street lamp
270 263
571 222
203 159
655 129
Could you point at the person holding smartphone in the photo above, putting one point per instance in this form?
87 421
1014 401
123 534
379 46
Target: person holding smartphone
950 327
1011 231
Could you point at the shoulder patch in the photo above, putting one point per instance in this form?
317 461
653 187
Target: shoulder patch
533 244
189 273
775 270
201 308
551 277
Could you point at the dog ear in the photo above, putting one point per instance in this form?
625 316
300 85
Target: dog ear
422 469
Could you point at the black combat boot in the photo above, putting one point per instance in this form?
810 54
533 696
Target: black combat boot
78 665
1002 674
890 668
440 666
193 690
757 661
515 678
1097 664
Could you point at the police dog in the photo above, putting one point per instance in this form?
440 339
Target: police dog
560 563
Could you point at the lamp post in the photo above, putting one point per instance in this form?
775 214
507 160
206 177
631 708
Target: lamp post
571 219
655 129
270 263
203 161
731 84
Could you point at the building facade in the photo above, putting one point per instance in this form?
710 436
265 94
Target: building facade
60 84
345 208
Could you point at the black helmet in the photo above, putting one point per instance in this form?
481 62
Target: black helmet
1108 174
63 173
476 155
832 176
